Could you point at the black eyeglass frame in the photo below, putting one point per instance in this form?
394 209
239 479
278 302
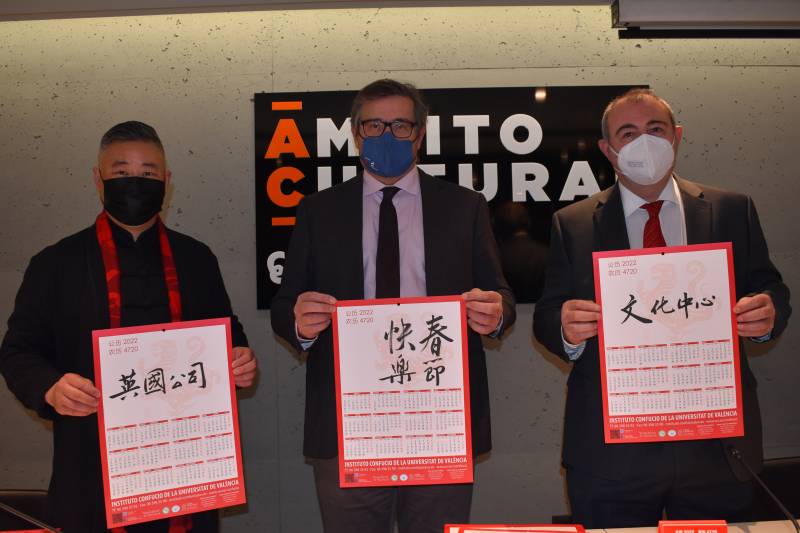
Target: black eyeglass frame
391 124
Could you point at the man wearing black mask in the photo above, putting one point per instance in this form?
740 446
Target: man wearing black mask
127 269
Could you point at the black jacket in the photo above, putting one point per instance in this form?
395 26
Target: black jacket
597 224
63 298
325 256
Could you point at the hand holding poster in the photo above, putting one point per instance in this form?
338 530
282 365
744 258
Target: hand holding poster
669 351
169 430
402 392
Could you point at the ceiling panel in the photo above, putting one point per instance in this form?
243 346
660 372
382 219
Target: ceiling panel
54 9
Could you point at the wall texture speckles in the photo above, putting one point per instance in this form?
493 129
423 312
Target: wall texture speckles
63 83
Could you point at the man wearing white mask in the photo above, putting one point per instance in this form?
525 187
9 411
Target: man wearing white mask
629 485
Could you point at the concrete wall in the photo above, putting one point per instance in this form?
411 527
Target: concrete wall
63 83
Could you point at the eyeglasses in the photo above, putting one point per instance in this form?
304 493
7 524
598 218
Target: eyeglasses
402 129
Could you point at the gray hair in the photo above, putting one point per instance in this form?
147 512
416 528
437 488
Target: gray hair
388 87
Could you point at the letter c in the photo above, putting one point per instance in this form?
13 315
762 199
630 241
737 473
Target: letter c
274 182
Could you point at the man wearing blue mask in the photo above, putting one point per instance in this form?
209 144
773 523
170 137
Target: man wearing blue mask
127 269
393 231
628 485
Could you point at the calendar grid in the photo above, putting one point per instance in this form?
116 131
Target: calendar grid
381 424
679 377
141 456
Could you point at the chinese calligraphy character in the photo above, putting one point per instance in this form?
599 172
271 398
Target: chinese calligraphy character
661 306
684 303
128 385
628 309
193 375
435 335
401 372
401 337
433 372
705 302
154 381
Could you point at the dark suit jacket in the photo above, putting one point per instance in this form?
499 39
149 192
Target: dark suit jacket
63 298
598 223
325 255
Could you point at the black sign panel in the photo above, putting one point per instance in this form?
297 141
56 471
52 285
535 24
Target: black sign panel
529 150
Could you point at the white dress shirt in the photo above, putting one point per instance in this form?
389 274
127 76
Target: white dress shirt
671 216
408 205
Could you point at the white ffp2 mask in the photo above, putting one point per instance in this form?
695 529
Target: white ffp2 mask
646 159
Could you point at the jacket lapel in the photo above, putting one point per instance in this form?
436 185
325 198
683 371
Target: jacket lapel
351 205
95 314
433 218
609 222
697 212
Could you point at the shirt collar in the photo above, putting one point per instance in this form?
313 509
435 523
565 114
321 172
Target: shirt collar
631 202
122 237
408 183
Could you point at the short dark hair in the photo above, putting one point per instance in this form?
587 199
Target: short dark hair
131 130
388 87
637 94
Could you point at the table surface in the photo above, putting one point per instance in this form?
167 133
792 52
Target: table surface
776 526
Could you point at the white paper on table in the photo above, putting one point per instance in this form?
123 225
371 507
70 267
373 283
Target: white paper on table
538 528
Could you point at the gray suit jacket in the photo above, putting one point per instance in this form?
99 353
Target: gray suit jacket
598 224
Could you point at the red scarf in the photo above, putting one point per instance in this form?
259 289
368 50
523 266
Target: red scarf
109 251
177 524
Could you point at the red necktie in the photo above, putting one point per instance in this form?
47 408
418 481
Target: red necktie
652 228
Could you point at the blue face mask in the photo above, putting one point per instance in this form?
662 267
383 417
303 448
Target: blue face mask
387 156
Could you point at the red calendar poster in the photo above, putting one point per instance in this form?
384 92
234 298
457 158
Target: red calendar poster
169 430
669 351
402 392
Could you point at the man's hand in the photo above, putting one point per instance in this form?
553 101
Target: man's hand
755 315
73 395
312 313
244 366
579 320
484 310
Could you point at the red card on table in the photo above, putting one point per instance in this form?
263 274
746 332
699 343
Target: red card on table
692 526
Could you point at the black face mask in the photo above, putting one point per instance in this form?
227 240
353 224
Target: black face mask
133 200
